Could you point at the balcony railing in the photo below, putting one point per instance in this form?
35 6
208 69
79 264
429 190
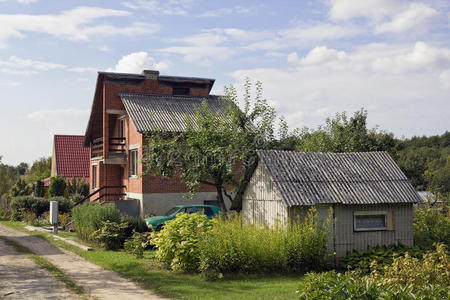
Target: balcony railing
116 146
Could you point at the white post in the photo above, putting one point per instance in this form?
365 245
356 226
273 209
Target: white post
54 215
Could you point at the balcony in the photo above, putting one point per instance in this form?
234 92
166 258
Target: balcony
116 147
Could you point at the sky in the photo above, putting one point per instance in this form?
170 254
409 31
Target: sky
314 59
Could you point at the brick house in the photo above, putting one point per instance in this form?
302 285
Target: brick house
125 108
69 158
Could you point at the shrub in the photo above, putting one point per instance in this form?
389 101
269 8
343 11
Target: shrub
38 189
110 235
383 256
5 213
234 245
433 268
405 278
57 186
431 225
37 206
89 217
20 188
134 224
21 204
137 244
177 243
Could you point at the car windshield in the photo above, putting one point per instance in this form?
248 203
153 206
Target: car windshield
171 211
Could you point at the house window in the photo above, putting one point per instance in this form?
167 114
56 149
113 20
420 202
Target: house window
133 163
94 177
181 91
367 221
122 128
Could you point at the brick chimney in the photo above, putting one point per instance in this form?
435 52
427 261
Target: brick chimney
150 74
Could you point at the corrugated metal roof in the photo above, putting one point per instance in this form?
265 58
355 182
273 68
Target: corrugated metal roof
307 178
164 113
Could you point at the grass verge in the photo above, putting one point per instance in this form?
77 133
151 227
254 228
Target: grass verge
148 273
45 264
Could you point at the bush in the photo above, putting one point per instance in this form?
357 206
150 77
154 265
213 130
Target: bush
5 213
21 204
110 235
382 256
431 225
89 217
405 278
57 186
20 188
63 204
134 224
234 245
28 204
178 242
137 244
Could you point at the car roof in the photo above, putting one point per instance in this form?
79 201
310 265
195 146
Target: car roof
195 205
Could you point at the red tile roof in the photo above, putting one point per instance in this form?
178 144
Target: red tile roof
72 160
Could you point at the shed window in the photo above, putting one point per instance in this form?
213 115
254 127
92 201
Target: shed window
366 221
133 163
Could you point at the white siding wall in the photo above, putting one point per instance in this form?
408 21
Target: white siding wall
347 239
261 201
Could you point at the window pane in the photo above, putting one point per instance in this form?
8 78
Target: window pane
189 210
370 221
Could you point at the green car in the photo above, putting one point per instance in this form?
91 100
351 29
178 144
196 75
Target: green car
158 222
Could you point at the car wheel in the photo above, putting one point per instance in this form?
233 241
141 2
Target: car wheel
159 227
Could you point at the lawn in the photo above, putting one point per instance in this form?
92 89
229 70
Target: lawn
148 273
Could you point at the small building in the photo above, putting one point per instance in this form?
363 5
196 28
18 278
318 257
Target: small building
368 195
69 158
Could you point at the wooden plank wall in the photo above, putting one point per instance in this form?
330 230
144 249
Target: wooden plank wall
261 201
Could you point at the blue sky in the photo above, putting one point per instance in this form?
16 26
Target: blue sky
314 58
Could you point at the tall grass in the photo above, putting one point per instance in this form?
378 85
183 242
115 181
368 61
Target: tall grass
89 217
235 245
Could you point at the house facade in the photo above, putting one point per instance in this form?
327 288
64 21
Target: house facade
127 107
367 195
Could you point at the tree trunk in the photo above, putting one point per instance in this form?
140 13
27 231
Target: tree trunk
237 200
220 198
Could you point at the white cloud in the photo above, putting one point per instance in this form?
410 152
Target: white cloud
19 66
220 44
385 16
52 114
171 7
444 78
83 69
407 93
76 24
320 55
417 15
375 9
226 11
27 1
138 61
10 83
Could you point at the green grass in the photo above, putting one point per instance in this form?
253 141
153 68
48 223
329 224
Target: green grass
45 264
148 273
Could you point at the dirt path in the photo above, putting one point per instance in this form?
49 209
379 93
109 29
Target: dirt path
21 278
96 281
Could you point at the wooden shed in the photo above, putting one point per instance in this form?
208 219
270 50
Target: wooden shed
368 195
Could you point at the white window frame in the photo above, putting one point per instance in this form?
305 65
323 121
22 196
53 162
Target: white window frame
122 128
388 220
133 163
94 177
